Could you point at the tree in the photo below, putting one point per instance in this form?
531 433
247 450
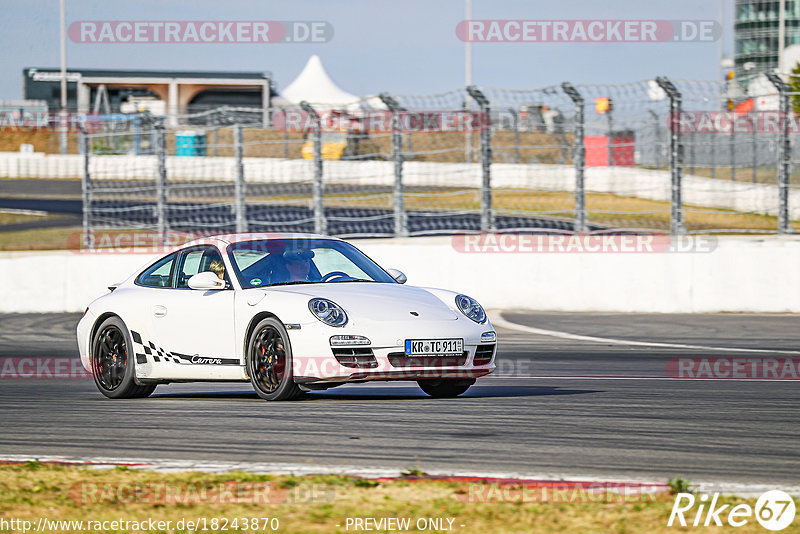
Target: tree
794 88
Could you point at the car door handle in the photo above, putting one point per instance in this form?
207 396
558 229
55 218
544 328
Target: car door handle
159 311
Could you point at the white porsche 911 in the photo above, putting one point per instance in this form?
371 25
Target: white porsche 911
290 313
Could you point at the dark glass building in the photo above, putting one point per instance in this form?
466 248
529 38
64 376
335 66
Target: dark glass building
756 33
181 91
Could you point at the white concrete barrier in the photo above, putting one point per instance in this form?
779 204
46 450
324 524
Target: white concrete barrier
740 275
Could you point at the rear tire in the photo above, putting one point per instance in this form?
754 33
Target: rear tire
269 362
113 362
445 388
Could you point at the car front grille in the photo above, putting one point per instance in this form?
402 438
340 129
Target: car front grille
483 354
400 359
355 357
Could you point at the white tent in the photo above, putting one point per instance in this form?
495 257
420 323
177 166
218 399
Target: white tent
315 87
764 94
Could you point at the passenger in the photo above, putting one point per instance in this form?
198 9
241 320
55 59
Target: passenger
218 268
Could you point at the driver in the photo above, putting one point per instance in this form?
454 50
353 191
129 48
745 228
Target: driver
298 264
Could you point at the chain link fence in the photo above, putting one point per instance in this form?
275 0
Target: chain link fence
654 156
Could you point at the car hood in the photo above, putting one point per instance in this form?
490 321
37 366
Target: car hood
377 301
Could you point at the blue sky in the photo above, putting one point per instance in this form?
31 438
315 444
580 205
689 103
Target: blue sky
404 47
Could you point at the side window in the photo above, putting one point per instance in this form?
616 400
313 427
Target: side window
157 275
199 260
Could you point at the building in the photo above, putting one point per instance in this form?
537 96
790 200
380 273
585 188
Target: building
758 27
180 91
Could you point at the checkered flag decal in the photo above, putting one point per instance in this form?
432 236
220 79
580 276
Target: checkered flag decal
149 352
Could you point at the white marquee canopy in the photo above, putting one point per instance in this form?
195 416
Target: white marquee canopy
317 88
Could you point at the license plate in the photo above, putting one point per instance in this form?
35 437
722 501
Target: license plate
421 347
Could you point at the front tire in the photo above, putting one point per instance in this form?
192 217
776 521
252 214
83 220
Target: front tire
113 362
444 388
269 362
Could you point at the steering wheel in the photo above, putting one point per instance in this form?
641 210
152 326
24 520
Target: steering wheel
335 274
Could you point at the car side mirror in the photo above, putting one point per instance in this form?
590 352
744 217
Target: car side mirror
399 277
206 281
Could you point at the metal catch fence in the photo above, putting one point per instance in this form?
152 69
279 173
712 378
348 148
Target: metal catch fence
653 156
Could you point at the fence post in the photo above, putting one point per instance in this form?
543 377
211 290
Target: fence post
239 186
754 124
320 224
656 137
784 154
610 117
732 153
713 144
137 136
400 218
487 213
63 128
676 226
517 155
578 157
266 102
86 189
161 183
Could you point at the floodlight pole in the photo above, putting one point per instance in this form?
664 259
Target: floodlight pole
62 130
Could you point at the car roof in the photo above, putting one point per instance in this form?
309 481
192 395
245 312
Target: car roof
223 240
227 239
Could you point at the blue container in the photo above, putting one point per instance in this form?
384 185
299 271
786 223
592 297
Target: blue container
190 143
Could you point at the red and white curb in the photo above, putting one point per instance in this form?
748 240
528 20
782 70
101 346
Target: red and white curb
626 486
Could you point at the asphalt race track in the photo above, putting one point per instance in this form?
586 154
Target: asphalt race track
209 208
557 416
271 217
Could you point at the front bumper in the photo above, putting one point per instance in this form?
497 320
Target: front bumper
390 363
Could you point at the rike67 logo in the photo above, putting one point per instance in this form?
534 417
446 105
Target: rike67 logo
774 510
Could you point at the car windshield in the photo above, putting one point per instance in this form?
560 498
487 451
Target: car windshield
272 262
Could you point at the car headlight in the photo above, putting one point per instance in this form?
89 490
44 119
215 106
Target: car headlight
470 307
328 312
